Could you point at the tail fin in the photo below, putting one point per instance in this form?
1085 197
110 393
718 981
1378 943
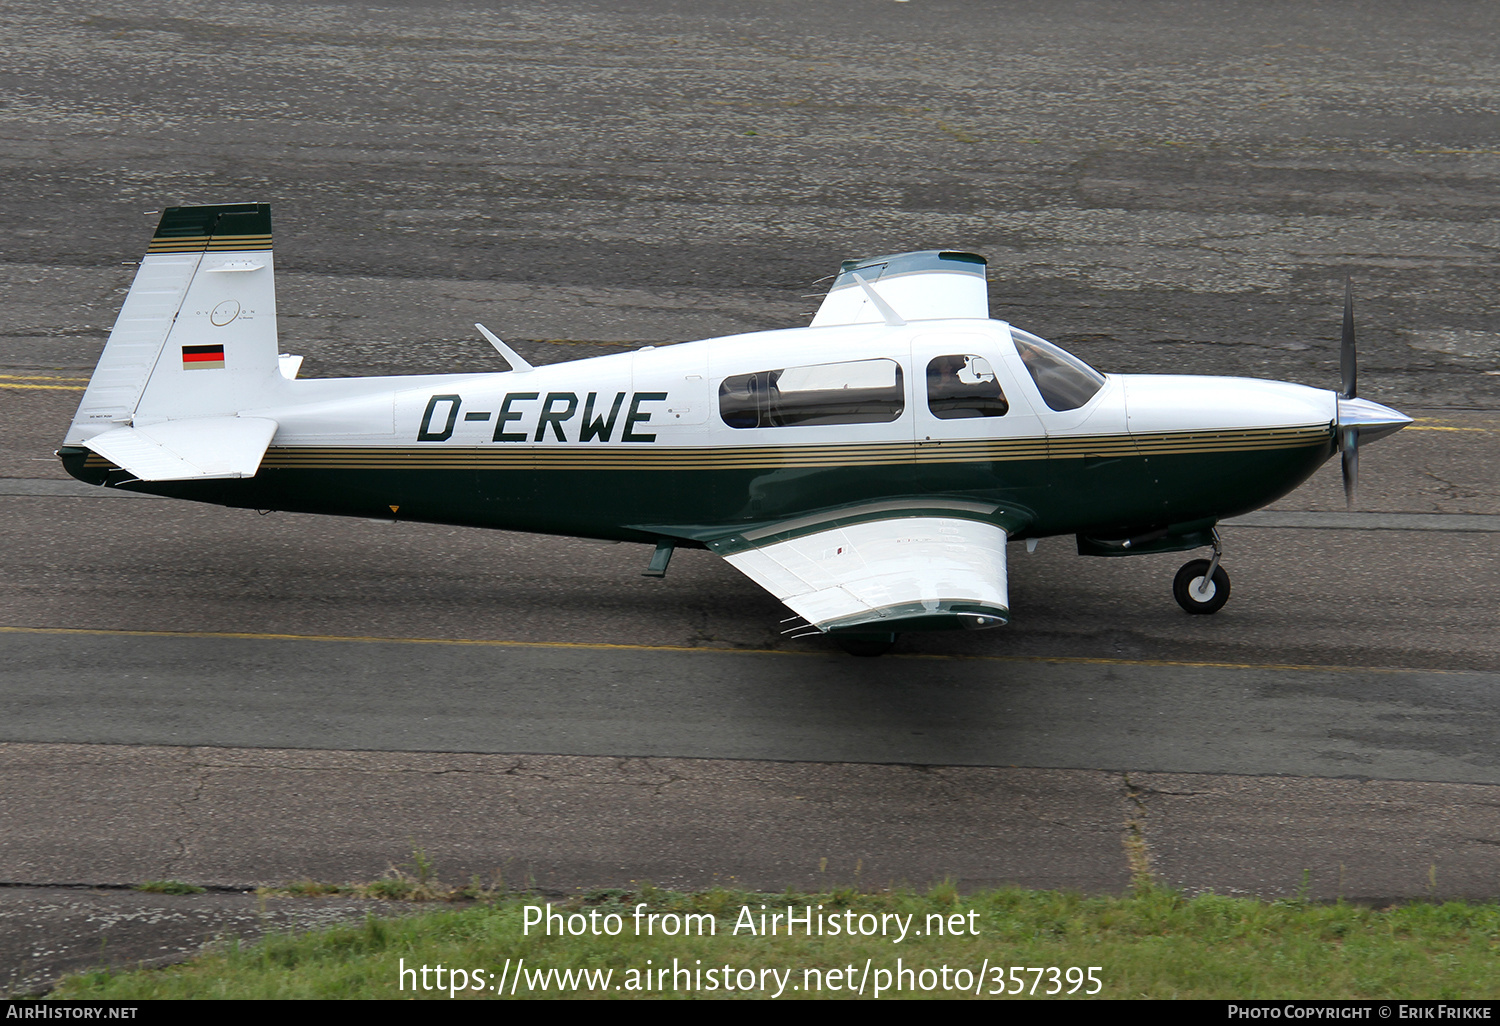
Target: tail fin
195 340
197 334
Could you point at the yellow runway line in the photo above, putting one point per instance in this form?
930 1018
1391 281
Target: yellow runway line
60 388
609 646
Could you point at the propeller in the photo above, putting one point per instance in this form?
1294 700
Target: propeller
1358 420
1348 373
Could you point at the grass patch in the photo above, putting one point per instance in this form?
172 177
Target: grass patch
168 887
1154 943
411 881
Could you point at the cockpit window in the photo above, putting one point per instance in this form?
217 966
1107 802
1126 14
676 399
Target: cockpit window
1064 381
858 392
962 386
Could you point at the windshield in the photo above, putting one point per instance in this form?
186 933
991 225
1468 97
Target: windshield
1065 381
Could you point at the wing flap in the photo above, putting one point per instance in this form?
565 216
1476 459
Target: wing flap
900 573
184 450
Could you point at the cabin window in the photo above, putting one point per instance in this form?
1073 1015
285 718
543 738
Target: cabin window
1064 381
959 387
859 392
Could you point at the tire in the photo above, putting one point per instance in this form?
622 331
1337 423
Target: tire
1191 574
865 645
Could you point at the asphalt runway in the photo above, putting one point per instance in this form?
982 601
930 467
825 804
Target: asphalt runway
213 695
259 692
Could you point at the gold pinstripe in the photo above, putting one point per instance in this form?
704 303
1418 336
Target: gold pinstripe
580 457
645 458
210 243
1169 442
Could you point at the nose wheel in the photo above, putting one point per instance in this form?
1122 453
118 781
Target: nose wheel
1202 586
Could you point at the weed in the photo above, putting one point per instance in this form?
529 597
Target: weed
420 884
168 887
945 893
478 890
421 865
392 888
312 889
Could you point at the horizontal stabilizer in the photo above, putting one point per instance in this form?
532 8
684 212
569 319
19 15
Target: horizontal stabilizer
183 450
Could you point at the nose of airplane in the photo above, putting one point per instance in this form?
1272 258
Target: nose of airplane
1369 420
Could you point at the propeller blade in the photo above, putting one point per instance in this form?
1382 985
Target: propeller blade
1347 370
1349 445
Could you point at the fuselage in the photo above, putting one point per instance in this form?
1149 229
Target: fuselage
681 440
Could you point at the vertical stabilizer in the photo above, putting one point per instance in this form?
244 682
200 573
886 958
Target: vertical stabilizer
197 334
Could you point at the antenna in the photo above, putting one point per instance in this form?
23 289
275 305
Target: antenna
516 360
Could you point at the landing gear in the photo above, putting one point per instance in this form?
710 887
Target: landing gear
1202 586
866 644
1198 591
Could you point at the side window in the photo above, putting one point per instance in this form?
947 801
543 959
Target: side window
964 386
859 392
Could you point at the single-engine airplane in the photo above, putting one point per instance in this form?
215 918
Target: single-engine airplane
868 470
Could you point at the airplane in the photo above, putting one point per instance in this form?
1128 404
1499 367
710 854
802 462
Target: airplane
868 470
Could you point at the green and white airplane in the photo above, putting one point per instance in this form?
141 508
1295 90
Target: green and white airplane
868 470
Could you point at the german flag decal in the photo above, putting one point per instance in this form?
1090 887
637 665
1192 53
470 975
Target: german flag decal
203 357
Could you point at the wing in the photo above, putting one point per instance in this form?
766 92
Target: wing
926 285
932 568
